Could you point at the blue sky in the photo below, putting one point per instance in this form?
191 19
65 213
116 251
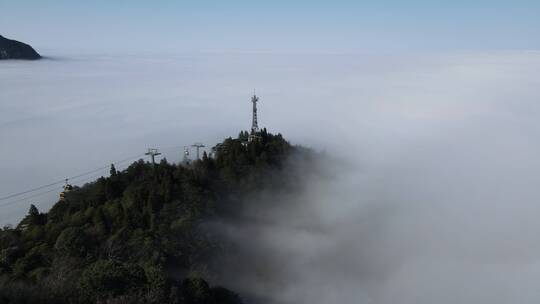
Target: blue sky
343 26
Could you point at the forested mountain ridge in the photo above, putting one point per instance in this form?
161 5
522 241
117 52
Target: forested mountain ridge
135 236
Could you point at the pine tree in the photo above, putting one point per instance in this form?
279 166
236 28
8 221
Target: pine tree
113 171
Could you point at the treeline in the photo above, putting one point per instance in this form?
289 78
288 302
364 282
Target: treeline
135 236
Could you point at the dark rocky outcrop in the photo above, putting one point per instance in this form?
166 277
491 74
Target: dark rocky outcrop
12 49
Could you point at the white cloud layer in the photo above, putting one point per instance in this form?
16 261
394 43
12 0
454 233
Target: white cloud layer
440 206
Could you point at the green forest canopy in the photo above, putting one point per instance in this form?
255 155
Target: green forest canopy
135 237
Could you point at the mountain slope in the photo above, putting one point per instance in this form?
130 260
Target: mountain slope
137 236
12 49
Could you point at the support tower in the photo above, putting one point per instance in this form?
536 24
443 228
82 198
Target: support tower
254 124
185 160
198 146
153 153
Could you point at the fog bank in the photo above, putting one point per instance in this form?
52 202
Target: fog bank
438 202
434 199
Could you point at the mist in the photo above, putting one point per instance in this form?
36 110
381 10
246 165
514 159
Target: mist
432 197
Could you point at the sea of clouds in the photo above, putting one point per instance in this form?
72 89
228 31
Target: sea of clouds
439 200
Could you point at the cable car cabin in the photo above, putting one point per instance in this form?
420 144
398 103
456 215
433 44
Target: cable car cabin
67 188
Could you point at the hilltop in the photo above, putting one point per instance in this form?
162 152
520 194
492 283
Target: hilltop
136 236
13 49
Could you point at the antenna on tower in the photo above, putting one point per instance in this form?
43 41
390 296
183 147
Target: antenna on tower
198 146
153 153
254 123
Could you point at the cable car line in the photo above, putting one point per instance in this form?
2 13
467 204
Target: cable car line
14 195
31 190
69 178
28 197
44 192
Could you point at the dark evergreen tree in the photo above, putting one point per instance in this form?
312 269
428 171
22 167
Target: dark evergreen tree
112 171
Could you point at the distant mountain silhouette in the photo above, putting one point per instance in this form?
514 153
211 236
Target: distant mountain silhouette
12 49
